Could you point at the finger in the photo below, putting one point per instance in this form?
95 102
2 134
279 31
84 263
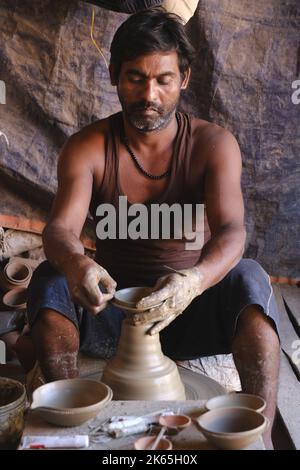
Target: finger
80 298
154 314
103 306
107 281
156 297
140 319
161 325
92 288
93 293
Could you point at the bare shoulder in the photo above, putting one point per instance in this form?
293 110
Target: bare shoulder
86 145
214 141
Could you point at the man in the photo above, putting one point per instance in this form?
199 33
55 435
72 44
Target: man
216 303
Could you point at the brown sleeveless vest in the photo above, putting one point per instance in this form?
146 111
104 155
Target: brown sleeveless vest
140 262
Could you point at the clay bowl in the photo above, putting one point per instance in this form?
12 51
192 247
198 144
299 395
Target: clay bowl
145 443
174 423
70 402
232 428
16 298
128 298
15 274
18 272
230 400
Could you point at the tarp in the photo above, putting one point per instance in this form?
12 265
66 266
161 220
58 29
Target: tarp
56 82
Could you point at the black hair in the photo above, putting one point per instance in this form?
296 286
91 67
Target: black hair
153 30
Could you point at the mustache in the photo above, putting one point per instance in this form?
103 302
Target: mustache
143 105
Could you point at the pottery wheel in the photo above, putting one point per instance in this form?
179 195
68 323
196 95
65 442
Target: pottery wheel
197 386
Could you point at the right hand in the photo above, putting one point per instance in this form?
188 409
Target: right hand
83 276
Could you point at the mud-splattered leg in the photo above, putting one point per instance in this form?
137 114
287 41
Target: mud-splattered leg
56 342
256 354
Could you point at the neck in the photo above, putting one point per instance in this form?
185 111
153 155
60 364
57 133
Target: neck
152 141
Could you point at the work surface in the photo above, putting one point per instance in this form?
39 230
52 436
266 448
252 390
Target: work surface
190 438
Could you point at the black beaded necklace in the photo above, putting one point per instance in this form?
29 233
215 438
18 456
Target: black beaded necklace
138 164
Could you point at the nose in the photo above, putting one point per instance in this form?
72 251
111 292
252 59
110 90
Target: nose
149 92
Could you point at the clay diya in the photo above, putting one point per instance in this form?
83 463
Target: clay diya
174 423
146 443
139 370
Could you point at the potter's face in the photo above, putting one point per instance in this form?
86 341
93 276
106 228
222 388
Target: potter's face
149 89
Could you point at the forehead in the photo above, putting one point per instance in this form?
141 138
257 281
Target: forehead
156 62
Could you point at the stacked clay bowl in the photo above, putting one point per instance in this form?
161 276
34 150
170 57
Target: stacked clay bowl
14 280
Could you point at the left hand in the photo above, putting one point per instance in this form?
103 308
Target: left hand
174 292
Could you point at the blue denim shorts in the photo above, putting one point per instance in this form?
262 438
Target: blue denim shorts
205 328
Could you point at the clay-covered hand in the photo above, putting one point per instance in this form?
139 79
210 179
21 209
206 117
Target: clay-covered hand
84 276
173 292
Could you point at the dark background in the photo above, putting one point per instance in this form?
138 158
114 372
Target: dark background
57 82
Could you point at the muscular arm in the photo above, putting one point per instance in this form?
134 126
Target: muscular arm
61 236
75 179
225 209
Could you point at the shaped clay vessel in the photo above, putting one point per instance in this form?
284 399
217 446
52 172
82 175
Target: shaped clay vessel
140 371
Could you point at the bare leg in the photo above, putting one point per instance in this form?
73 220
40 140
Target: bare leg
56 343
256 355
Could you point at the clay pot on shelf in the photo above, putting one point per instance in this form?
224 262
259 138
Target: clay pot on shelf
16 298
16 273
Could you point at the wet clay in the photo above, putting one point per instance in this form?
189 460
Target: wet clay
12 407
140 371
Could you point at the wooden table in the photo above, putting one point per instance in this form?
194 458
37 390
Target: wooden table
190 438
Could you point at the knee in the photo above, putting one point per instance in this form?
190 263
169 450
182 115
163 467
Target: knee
255 322
46 283
52 330
44 271
248 269
51 321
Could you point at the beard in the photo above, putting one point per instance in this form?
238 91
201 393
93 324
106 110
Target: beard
148 116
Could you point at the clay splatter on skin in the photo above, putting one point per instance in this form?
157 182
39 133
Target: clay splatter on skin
176 292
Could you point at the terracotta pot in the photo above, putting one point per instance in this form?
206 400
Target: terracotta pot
16 298
15 274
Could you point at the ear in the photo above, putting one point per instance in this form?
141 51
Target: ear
186 78
113 79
